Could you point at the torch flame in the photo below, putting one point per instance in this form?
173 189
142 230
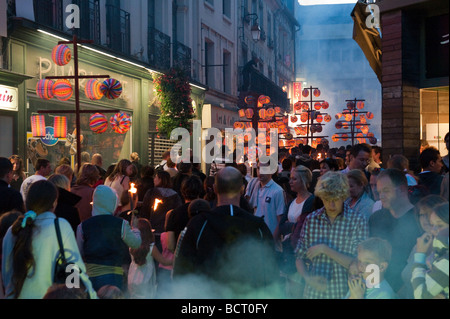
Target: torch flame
133 189
157 202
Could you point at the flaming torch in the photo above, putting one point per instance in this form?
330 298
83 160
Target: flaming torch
132 191
157 202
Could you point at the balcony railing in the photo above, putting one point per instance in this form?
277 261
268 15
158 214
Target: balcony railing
182 57
49 13
158 49
256 82
89 20
117 29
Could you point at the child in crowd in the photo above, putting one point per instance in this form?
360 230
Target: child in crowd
373 259
142 272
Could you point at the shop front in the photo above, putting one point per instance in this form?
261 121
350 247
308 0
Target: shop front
32 54
414 74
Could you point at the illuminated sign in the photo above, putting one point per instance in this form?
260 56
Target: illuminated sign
9 98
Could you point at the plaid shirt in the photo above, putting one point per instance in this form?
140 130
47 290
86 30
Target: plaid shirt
343 235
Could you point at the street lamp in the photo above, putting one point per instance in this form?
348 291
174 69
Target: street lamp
255 30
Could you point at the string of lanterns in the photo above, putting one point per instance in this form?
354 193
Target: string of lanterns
94 90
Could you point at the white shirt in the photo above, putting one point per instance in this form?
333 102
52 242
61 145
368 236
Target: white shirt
295 210
26 184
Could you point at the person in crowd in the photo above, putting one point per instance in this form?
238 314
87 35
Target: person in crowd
375 160
359 157
191 190
97 160
171 168
142 281
328 164
373 252
104 239
423 145
18 172
67 171
164 271
359 199
10 199
83 187
157 202
329 239
433 283
162 165
445 159
65 207
431 163
110 292
85 159
184 171
424 208
119 180
208 186
292 221
341 163
228 246
145 182
445 186
395 222
401 163
43 168
134 158
30 250
62 291
266 198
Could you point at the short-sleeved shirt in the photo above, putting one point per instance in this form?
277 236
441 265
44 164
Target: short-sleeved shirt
268 201
402 234
343 235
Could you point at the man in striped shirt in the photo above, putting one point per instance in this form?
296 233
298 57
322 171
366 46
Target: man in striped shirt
433 283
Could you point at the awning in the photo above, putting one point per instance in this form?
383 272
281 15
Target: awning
368 39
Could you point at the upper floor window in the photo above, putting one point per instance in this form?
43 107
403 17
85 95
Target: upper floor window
226 7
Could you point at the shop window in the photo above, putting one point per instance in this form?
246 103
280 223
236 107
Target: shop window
434 117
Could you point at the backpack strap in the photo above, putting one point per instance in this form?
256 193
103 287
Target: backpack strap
60 243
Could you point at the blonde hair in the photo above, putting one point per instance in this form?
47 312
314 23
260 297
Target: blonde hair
304 173
65 170
332 186
60 180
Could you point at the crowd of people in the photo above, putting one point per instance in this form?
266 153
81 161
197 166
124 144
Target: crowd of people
331 223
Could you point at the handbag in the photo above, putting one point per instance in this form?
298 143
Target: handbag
61 267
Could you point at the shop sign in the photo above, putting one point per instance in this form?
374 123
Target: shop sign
8 98
49 138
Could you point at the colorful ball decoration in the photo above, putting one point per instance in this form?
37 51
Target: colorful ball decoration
294 118
338 116
316 92
249 99
111 88
61 54
338 125
63 90
344 137
44 89
98 123
327 118
120 122
93 89
305 106
317 105
335 138
325 105
305 93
